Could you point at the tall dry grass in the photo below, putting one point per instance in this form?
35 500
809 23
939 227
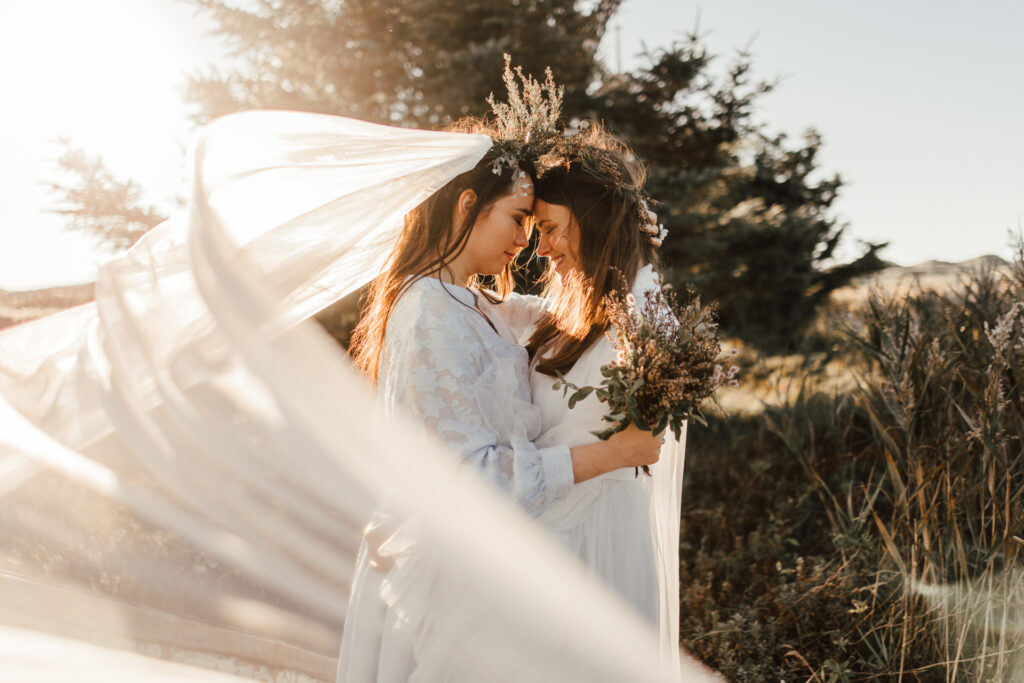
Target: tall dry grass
872 533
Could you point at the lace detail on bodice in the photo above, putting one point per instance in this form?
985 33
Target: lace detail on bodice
444 363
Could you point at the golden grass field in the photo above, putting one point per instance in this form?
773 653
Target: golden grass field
770 380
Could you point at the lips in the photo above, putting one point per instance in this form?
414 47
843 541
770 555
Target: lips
510 255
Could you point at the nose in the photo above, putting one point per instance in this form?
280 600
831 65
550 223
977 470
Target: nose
543 245
522 237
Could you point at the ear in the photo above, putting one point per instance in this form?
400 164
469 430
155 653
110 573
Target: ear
464 205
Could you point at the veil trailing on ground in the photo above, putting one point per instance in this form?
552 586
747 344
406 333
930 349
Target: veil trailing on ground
186 464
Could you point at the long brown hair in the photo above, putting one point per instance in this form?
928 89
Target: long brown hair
596 182
428 243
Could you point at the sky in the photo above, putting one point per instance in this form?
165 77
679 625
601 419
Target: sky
919 105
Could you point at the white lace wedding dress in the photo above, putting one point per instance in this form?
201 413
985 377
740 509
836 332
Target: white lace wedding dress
446 366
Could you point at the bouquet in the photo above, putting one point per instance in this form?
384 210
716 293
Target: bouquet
669 360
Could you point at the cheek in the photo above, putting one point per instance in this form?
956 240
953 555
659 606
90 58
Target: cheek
572 246
490 237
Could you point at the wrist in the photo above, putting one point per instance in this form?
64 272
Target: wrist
594 459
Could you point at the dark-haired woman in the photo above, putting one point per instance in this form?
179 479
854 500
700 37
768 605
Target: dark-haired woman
597 233
437 350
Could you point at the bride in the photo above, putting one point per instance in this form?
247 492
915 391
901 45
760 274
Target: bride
598 236
432 341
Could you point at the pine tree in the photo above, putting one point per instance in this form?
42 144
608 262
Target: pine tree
99 204
751 224
420 63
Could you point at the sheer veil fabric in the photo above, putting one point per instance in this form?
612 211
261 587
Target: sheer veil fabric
186 464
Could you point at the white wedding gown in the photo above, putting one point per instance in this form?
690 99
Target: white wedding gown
446 366
605 521
611 522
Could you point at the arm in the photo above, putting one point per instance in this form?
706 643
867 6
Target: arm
631 447
433 371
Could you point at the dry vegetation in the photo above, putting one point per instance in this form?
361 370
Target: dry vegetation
857 513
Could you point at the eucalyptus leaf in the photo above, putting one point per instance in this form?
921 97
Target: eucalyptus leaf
659 427
636 416
579 396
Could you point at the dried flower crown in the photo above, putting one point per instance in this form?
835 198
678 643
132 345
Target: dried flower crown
609 162
527 124
527 127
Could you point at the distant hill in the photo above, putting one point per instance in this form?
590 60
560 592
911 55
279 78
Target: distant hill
931 274
19 307
945 267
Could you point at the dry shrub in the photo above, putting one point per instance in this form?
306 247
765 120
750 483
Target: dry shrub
870 534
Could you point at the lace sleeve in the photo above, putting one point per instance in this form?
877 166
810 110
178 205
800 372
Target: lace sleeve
521 312
439 368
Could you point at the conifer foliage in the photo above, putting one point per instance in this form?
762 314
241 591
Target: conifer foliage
750 221
750 217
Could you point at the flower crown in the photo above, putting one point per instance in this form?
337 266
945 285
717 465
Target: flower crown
527 127
527 124
604 163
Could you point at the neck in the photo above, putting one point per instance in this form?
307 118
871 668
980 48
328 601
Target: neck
454 273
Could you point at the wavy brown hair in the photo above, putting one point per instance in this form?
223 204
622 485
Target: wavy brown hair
428 243
599 180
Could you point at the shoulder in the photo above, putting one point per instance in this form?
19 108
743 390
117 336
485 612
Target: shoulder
517 299
515 303
432 312
427 299
521 312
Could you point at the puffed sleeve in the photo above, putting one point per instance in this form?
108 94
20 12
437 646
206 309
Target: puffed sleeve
436 369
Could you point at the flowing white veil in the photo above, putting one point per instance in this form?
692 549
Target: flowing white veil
185 464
